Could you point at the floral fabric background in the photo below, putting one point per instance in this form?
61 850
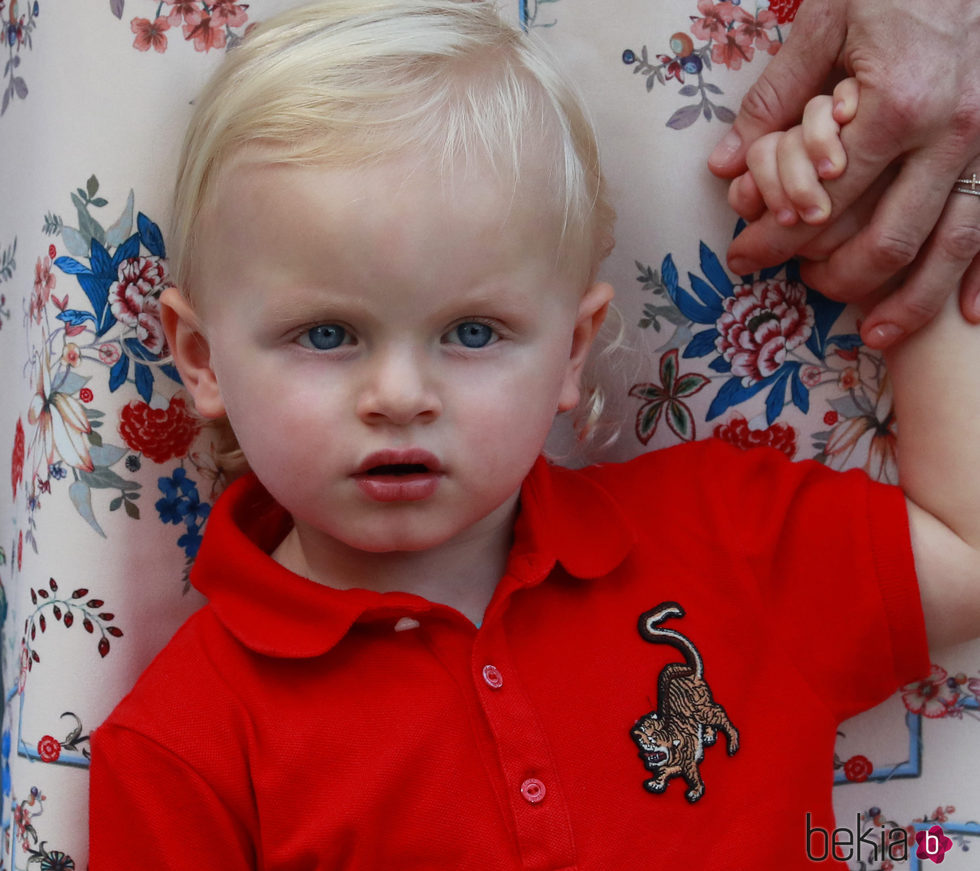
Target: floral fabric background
111 481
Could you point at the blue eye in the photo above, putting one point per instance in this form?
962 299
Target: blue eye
473 334
324 337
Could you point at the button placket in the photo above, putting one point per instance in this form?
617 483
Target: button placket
524 753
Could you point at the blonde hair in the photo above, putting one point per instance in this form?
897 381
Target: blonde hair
354 82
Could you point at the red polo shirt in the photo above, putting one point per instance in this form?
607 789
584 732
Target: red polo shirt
292 726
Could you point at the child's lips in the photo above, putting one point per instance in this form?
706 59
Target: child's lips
399 475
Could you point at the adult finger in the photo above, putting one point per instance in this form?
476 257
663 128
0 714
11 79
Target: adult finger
908 214
796 73
946 259
970 292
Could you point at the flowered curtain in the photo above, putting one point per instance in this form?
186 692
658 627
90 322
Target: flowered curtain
111 480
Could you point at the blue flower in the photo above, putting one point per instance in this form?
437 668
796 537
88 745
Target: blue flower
191 541
5 752
195 511
57 471
173 506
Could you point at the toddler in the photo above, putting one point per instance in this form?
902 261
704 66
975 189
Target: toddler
424 646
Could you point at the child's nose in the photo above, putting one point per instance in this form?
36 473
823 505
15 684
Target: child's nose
398 390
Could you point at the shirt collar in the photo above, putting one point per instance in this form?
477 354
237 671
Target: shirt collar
565 518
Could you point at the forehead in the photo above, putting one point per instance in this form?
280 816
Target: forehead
279 223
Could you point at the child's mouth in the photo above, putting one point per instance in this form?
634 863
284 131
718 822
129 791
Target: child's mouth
399 475
398 469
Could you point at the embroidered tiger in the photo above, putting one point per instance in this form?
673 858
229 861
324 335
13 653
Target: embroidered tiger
672 738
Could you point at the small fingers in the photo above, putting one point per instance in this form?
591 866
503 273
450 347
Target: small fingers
763 163
744 197
821 136
798 178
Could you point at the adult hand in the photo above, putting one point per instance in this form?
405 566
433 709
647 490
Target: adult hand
919 105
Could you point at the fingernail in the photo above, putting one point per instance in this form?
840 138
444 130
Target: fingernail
975 309
786 217
814 214
826 167
883 335
730 143
740 265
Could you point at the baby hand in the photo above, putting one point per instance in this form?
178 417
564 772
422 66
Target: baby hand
786 169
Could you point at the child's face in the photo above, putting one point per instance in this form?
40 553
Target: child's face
390 350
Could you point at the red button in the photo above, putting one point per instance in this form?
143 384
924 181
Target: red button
493 677
533 790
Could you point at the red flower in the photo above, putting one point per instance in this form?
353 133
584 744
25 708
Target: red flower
150 34
831 417
732 51
714 20
672 67
158 433
737 432
49 749
17 460
206 31
109 353
784 10
180 9
86 395
761 323
133 300
751 30
932 696
229 12
44 281
858 769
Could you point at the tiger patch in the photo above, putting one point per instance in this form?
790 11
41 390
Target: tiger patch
672 738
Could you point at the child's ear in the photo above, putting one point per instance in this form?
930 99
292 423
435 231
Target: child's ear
191 352
592 310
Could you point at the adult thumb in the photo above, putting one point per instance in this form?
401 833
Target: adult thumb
798 72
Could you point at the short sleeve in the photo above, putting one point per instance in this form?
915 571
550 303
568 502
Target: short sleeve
831 557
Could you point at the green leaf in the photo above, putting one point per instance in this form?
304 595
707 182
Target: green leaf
75 242
668 370
81 497
648 392
107 455
92 185
120 231
680 420
132 509
690 384
106 479
115 503
648 419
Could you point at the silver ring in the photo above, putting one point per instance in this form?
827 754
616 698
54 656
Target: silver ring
969 186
